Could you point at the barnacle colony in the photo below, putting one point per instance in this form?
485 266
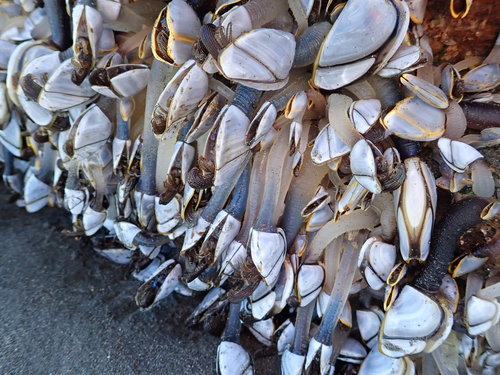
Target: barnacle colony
282 159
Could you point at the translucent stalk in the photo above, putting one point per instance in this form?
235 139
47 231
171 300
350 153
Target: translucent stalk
340 292
357 220
274 171
301 191
254 194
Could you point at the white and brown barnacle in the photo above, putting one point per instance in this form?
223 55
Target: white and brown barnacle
415 323
261 124
457 155
309 282
89 133
260 59
346 52
174 33
363 166
378 363
60 93
483 78
414 119
120 81
179 99
376 260
268 253
87 28
364 114
425 90
159 285
415 210
321 199
205 116
230 147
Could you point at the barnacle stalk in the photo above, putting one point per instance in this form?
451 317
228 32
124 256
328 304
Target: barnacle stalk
160 74
461 217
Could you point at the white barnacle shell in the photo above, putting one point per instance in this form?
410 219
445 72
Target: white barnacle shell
369 324
176 29
457 155
10 135
87 23
230 147
352 351
232 259
414 119
227 227
261 124
363 166
415 204
483 78
36 193
284 286
117 255
167 215
93 220
90 132
125 80
309 283
126 232
380 364
268 252
180 98
232 359
194 234
481 314
74 200
60 93
263 331
376 261
362 28
262 305
335 77
291 363
328 146
410 322
364 113
168 282
286 332
351 197
405 59
260 58
425 90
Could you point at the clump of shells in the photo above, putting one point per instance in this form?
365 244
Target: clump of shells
301 165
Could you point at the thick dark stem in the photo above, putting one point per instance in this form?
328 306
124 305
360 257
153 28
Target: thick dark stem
59 23
150 239
462 216
407 148
233 324
481 115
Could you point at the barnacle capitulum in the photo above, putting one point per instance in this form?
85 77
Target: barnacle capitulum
281 158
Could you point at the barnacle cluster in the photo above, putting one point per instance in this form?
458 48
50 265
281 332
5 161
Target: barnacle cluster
282 159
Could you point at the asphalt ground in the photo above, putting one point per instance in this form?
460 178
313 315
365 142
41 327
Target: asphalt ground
66 310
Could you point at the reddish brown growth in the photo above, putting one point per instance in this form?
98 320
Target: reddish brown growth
454 39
